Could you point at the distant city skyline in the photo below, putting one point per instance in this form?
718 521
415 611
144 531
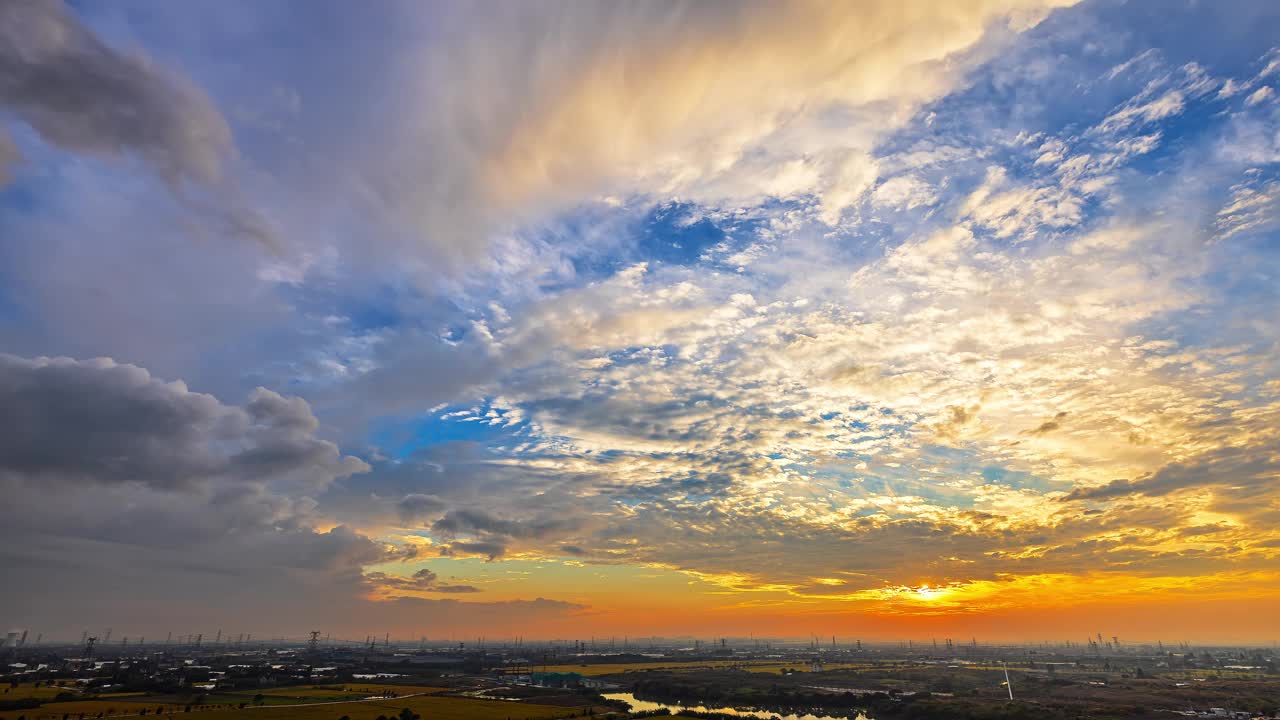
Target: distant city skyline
887 319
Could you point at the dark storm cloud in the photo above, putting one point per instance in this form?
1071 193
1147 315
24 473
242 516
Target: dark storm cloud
172 489
100 422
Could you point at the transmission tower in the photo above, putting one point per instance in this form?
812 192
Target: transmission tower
88 651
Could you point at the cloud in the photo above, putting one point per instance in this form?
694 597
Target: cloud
423 580
491 549
1251 207
415 506
128 481
888 413
100 422
1162 98
84 96
1259 96
1235 468
478 521
10 157
516 112
135 485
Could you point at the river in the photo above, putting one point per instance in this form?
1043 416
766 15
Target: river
643 705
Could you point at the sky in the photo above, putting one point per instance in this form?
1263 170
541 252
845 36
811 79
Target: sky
884 319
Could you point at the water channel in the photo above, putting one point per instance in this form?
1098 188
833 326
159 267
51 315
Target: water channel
645 705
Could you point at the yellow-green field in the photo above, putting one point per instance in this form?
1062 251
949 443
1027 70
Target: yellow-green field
428 706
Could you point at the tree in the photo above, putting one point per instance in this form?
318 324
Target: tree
407 714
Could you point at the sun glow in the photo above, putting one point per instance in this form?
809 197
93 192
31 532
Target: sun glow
926 593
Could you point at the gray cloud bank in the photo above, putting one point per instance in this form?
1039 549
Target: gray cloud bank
133 500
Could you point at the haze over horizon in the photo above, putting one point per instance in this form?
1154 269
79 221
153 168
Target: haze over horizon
883 319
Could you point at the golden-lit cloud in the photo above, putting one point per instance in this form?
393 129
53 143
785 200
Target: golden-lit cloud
718 102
